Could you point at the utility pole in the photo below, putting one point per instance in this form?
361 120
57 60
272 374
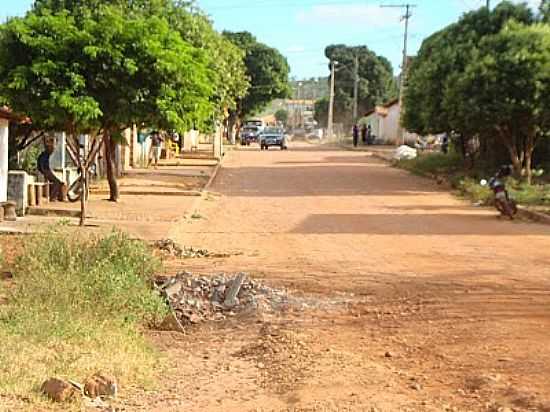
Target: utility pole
331 101
355 88
406 17
489 4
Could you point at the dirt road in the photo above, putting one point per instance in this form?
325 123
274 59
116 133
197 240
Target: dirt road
425 303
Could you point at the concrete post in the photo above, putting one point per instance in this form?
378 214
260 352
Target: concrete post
4 131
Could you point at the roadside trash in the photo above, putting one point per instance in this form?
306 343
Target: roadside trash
405 152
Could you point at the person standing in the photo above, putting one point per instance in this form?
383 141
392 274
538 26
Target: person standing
369 134
445 144
364 134
355 135
156 148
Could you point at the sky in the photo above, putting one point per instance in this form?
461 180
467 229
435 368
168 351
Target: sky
301 29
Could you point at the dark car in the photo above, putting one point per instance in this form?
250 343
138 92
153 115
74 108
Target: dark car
250 134
273 136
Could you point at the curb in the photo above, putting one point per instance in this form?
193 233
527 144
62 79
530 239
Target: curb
195 206
532 215
367 152
212 177
50 212
189 193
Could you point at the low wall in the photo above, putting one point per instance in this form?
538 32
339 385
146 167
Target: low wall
17 190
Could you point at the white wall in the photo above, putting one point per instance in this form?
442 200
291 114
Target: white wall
4 132
390 124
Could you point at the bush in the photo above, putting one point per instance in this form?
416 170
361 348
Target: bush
472 189
77 306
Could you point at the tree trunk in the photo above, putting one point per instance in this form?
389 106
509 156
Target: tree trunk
110 167
528 156
83 199
231 122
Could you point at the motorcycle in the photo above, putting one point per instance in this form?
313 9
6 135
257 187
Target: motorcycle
502 200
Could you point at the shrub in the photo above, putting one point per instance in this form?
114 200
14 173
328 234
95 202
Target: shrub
77 305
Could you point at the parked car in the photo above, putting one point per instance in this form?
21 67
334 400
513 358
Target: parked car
273 136
250 134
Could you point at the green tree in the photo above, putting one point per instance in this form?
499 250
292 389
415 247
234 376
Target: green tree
268 72
281 115
376 81
431 102
509 78
103 69
545 10
321 111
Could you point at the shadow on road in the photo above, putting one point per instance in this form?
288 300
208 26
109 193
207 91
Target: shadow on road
416 224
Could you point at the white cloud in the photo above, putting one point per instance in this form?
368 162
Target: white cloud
350 14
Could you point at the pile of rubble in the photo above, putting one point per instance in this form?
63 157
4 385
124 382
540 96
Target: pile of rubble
196 299
171 248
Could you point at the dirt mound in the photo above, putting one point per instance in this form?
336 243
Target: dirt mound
282 356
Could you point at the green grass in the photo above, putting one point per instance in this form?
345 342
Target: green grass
432 164
467 181
77 306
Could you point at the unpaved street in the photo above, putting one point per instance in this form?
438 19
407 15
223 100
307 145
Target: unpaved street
425 303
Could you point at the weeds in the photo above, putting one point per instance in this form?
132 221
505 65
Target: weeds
467 182
76 307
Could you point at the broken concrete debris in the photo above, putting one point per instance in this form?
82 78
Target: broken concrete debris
195 299
171 248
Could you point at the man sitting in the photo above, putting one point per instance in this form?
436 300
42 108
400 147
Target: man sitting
43 166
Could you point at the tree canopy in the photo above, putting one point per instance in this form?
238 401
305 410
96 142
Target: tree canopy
81 65
281 115
376 81
267 70
545 11
485 77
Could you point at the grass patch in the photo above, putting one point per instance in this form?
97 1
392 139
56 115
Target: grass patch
466 182
433 164
77 305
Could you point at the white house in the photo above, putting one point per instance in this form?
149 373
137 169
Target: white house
384 122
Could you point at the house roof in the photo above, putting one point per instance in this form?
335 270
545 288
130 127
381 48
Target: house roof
8 114
391 103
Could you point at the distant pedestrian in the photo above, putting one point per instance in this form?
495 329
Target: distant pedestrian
445 143
364 134
369 134
355 135
156 148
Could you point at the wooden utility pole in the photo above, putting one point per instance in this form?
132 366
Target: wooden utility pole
331 101
355 88
406 17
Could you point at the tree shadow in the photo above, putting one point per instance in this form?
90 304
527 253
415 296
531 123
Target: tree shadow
416 224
